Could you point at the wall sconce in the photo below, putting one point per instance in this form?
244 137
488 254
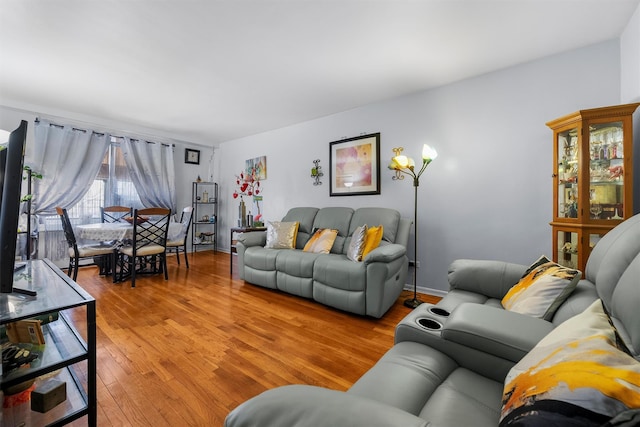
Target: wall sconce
316 172
396 153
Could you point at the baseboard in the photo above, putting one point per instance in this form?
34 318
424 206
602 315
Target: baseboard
425 290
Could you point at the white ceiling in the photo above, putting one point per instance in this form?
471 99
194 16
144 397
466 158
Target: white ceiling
211 71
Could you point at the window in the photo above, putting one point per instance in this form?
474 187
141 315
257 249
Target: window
112 186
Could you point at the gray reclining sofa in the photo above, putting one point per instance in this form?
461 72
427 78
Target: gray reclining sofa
449 364
368 288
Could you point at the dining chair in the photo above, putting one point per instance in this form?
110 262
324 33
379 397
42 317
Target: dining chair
179 243
101 252
115 213
147 252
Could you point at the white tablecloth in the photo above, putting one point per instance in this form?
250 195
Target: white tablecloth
108 231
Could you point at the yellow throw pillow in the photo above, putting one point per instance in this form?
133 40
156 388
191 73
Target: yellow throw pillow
356 246
321 241
281 235
373 239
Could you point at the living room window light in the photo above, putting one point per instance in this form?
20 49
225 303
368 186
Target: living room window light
112 186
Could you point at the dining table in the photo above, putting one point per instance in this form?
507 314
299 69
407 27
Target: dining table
119 231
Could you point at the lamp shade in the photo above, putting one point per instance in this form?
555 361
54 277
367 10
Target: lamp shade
428 153
401 161
393 164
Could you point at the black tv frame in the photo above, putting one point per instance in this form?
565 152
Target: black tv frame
10 204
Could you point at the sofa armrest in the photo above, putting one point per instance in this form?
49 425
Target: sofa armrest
253 238
385 253
495 331
298 405
490 278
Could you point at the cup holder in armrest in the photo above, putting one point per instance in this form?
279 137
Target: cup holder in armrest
438 311
430 324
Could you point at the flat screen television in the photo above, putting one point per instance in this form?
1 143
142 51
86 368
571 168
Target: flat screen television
11 162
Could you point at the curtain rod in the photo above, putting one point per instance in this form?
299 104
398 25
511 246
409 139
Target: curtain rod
37 120
148 142
55 125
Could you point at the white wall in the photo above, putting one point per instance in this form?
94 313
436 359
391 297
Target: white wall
488 194
630 60
630 88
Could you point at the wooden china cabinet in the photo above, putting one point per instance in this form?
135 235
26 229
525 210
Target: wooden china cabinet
592 179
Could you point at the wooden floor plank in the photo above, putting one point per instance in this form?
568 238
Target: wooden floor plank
188 350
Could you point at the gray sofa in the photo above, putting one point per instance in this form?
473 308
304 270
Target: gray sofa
368 288
449 361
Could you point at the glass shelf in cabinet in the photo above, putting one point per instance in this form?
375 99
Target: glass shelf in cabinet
569 182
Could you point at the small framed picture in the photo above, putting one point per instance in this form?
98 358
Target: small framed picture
192 156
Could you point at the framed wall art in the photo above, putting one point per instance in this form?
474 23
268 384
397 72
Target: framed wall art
355 166
259 165
192 156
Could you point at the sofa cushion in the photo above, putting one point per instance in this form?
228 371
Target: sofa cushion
388 218
543 287
338 272
356 244
623 307
427 383
261 258
281 235
611 257
576 371
321 241
305 217
312 406
296 263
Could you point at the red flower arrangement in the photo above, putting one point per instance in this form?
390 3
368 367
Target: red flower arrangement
248 185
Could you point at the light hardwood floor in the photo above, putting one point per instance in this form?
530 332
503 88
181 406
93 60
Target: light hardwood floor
188 350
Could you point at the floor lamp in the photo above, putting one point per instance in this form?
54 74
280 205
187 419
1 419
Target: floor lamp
404 165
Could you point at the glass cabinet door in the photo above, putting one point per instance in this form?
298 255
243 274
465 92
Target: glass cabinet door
568 174
606 183
568 249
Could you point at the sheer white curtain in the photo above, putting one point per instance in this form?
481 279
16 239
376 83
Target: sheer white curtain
151 168
69 160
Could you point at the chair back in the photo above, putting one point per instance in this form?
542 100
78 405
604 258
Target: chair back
67 228
115 213
150 227
185 219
